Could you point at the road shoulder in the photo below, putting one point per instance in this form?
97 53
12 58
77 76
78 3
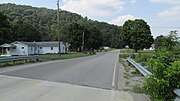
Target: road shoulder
131 81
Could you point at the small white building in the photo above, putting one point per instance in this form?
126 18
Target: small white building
106 47
32 48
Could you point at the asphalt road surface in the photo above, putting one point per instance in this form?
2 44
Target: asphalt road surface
93 71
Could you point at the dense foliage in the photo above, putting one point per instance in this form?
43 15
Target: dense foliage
39 24
4 28
92 37
136 34
165 78
167 42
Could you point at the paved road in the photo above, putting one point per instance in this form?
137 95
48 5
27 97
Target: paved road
94 71
24 89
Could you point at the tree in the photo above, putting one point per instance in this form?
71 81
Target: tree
167 42
4 29
94 39
74 35
43 21
24 32
160 42
136 34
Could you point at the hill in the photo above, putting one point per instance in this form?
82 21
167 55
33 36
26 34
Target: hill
39 24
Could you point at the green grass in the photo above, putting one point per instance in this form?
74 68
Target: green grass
57 57
138 89
147 51
2 56
68 56
133 55
136 72
10 63
127 51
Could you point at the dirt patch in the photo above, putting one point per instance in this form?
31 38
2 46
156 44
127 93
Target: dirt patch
132 81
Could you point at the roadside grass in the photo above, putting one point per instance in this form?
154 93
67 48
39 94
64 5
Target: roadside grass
127 51
131 74
2 56
135 72
146 51
68 56
138 89
56 57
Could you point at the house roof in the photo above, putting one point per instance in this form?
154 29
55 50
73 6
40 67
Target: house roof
31 44
7 45
42 44
48 44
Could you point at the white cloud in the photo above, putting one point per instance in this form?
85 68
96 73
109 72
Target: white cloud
121 19
93 7
166 1
133 1
173 12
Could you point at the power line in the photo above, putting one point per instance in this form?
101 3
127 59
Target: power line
174 27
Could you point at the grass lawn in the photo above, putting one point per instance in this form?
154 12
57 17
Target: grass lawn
140 56
68 56
56 57
127 51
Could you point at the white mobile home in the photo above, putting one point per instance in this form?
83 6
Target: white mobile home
31 48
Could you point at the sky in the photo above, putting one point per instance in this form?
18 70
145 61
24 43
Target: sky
163 16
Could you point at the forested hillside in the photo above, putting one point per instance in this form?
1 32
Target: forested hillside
28 23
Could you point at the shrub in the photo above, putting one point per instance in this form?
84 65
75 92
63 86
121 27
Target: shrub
165 78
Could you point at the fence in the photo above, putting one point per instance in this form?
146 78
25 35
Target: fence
17 58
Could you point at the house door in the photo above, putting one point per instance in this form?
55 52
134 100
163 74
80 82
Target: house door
36 50
7 51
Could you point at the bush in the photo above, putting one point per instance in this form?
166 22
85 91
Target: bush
165 78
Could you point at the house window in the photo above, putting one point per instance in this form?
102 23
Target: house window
22 47
14 47
31 48
40 47
51 48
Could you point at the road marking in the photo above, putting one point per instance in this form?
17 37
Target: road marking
114 73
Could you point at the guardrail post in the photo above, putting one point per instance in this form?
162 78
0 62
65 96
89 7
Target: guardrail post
36 59
25 61
13 62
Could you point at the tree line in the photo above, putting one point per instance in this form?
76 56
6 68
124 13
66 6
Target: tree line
26 23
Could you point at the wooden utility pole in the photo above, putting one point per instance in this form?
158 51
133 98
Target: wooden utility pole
83 42
58 28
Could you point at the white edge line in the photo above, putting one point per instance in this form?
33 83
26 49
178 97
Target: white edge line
114 73
114 79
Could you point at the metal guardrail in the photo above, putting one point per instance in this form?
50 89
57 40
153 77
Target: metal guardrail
141 69
16 58
145 72
177 92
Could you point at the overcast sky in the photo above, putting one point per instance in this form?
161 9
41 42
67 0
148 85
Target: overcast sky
162 15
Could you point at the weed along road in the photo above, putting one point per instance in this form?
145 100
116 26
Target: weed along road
82 79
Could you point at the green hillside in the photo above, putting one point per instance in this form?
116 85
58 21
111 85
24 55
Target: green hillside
29 23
